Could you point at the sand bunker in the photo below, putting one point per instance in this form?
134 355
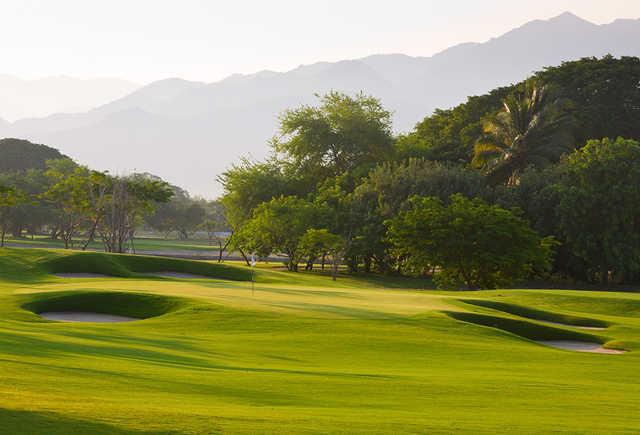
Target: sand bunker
80 275
579 346
595 328
79 316
179 275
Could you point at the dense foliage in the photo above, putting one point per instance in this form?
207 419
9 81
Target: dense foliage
532 129
467 242
473 195
599 209
604 97
20 155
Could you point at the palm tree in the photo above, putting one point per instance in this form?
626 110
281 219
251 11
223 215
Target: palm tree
531 130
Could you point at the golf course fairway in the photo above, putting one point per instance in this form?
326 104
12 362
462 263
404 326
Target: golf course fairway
303 354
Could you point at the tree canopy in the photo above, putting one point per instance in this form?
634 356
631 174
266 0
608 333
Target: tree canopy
599 208
467 242
20 155
604 96
343 134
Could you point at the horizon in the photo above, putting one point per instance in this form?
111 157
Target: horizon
142 59
77 119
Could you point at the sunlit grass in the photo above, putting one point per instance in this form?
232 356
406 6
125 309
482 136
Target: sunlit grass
301 353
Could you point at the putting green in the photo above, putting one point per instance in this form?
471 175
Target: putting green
303 354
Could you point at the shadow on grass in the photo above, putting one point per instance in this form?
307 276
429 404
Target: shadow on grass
535 314
31 422
137 305
522 328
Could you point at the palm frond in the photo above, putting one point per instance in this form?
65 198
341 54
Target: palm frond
485 152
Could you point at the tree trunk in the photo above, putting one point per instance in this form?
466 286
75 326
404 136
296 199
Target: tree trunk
367 264
222 249
92 234
133 246
246 260
334 268
17 231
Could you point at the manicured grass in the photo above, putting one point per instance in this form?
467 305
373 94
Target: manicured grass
131 265
303 354
141 244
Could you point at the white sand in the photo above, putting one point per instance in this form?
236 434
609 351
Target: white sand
579 346
179 275
595 328
80 275
78 316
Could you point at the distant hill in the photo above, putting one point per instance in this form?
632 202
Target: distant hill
189 132
35 98
20 155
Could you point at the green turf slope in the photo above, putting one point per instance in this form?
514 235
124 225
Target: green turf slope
129 265
302 354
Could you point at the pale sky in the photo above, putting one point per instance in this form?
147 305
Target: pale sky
146 40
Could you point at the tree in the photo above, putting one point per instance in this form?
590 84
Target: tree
468 241
21 155
394 183
181 214
69 193
604 96
249 184
350 217
33 214
216 226
315 243
599 208
129 199
449 135
342 135
278 226
9 198
530 130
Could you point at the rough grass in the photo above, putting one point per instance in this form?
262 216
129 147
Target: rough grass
302 354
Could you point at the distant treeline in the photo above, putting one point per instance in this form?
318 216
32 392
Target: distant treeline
45 192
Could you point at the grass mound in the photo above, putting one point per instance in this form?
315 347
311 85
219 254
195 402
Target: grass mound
129 265
532 313
531 331
138 305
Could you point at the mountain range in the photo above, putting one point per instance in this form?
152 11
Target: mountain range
37 98
189 132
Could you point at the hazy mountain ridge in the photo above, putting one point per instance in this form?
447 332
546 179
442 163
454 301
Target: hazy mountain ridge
35 98
188 132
